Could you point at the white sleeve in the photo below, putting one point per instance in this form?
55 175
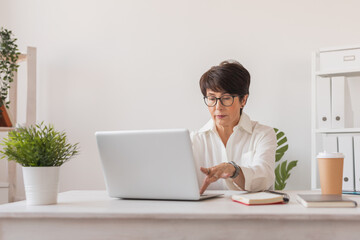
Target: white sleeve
260 173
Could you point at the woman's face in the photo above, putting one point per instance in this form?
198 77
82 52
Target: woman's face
225 116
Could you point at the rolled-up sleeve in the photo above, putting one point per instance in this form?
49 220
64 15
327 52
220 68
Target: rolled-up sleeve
259 174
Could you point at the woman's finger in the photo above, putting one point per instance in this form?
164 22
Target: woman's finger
204 170
205 185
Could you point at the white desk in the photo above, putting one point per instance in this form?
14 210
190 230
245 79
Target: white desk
93 215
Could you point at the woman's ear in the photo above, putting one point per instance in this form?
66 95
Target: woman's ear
244 100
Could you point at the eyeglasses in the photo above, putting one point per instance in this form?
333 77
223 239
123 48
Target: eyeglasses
226 100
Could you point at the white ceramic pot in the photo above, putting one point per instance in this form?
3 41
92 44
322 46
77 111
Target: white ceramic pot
41 185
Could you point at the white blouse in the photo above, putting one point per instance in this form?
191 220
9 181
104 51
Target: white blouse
252 146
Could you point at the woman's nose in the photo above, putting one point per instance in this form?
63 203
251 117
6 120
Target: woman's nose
219 105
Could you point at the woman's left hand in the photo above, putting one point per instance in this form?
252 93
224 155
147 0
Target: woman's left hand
223 170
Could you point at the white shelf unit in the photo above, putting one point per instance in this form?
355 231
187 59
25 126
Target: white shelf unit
30 59
340 130
342 72
329 65
4 192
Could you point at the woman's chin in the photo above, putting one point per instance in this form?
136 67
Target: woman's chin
221 122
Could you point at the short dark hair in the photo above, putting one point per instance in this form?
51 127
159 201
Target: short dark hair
230 77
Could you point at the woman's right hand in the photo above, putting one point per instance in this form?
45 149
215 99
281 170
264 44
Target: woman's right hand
223 170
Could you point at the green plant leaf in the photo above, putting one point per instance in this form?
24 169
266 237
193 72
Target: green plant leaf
279 134
283 169
277 172
282 141
283 149
278 156
277 177
292 164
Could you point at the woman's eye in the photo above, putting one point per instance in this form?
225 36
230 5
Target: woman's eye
226 98
211 98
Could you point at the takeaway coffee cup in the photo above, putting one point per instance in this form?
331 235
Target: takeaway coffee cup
331 172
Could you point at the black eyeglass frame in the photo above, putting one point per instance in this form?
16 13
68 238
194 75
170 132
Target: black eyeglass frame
216 100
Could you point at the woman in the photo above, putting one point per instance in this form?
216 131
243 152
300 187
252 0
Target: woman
233 151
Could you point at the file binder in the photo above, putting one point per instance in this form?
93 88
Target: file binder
323 89
338 102
357 162
330 143
346 147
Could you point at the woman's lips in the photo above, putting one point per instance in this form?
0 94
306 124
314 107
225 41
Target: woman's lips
220 116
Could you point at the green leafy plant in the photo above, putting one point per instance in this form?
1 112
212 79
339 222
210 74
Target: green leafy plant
282 170
38 146
9 54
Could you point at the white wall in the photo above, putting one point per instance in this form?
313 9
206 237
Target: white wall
111 65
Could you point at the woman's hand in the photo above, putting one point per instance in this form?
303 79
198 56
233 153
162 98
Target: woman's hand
223 170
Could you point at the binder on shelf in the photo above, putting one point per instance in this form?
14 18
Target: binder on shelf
323 93
338 102
346 147
330 143
357 162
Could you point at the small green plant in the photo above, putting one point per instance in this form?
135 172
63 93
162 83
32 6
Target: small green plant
9 54
282 170
38 146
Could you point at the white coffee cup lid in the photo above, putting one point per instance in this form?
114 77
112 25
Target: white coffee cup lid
330 155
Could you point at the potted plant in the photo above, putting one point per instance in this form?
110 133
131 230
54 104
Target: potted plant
40 150
282 171
9 55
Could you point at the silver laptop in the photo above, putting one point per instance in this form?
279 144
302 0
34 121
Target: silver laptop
149 164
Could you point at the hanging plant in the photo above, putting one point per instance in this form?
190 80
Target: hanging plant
9 54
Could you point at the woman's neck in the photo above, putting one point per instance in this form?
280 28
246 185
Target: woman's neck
226 131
